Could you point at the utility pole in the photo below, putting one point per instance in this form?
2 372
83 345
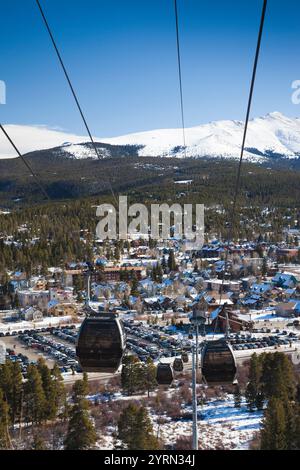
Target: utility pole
197 349
195 411
197 318
88 288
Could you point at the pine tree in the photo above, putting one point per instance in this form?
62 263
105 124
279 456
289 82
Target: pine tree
250 395
273 434
16 392
135 429
49 389
253 394
85 382
149 380
278 378
132 375
34 396
60 392
81 430
237 397
4 423
11 384
290 421
296 440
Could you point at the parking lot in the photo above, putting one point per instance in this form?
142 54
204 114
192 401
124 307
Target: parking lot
251 342
50 343
57 344
153 341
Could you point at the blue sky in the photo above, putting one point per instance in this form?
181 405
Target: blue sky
121 56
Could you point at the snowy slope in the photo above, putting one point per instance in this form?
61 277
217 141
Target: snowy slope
271 134
30 138
274 133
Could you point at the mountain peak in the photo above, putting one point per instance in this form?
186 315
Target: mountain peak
271 134
277 115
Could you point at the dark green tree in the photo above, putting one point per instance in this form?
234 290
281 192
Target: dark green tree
253 394
273 433
4 423
149 373
132 375
34 396
135 429
81 430
237 397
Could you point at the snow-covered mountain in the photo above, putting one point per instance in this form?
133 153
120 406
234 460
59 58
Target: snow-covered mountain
270 135
30 138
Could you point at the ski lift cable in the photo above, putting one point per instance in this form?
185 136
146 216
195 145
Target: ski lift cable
238 176
59 56
180 76
26 163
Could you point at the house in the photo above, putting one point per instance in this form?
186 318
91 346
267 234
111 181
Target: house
57 309
261 289
219 284
209 301
233 319
285 280
31 313
107 273
31 297
288 252
288 309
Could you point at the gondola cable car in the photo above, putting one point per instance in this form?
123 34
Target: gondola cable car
178 364
101 342
185 356
218 363
164 374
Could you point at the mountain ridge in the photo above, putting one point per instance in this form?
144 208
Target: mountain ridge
269 136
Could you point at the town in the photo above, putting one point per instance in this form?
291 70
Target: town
248 291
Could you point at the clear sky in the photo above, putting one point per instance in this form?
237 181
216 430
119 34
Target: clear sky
121 55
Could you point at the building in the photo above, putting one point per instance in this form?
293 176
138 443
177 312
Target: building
288 309
31 297
107 273
31 313
237 321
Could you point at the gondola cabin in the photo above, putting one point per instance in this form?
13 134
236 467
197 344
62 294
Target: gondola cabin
218 363
101 343
164 374
178 364
185 357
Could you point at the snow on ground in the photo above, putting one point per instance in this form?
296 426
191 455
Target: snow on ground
220 425
27 325
183 182
79 151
